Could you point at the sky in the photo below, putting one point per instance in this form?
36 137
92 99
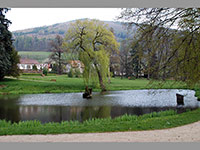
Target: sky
24 18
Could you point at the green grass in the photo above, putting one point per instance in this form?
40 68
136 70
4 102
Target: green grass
39 56
161 120
27 84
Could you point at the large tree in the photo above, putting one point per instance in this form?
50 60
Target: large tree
93 42
126 68
172 37
8 56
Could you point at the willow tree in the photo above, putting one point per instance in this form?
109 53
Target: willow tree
171 35
93 42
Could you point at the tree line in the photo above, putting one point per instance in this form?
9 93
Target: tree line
27 43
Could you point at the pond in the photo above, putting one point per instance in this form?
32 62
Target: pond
71 106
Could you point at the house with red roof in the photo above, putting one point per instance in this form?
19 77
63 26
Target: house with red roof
75 64
27 64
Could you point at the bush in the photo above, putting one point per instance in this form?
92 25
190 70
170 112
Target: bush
45 71
71 73
54 68
35 67
112 74
77 73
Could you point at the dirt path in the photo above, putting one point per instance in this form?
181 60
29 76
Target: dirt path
187 133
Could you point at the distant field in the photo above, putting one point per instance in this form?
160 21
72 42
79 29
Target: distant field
39 56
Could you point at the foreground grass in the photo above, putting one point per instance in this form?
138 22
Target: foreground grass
161 120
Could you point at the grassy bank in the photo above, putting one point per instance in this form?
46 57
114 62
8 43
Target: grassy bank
161 120
27 84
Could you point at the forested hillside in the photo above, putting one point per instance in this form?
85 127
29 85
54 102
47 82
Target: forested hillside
37 39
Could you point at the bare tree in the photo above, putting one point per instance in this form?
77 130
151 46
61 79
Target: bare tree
57 52
125 58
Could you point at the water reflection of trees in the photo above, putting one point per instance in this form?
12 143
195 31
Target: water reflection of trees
96 112
9 110
62 113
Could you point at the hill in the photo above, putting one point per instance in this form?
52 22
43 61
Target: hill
37 39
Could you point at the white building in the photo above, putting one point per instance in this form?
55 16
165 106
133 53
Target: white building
27 64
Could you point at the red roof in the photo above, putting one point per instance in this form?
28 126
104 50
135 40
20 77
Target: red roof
75 63
28 61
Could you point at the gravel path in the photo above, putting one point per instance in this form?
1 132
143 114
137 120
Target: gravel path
187 133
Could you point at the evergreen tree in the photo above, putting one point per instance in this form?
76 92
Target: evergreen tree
8 56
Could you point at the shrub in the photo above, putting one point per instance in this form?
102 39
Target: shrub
45 71
112 74
71 73
77 73
35 67
54 68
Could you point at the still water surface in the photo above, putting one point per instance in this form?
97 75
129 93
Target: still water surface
71 106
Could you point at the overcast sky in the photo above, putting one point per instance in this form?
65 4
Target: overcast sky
23 18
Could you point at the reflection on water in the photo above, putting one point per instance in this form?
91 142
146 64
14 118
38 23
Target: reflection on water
60 113
71 106
8 108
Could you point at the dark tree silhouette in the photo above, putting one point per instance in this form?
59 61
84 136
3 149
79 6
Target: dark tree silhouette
8 56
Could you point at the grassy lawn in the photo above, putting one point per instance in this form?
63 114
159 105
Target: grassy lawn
38 84
161 120
27 84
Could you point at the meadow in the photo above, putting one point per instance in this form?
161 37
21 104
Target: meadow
35 83
39 56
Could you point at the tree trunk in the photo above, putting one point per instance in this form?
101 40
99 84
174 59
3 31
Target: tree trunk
148 74
1 77
103 87
59 64
164 74
109 76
